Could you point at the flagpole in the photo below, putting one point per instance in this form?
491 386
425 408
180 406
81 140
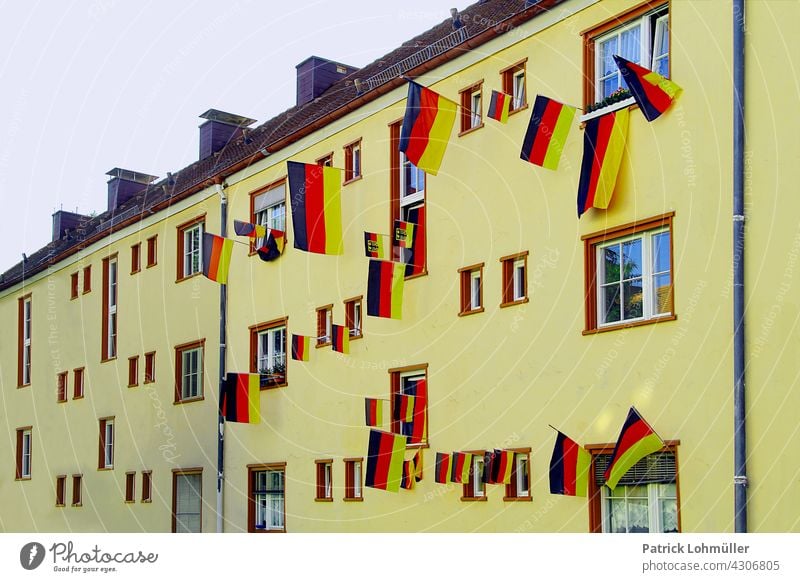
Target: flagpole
223 302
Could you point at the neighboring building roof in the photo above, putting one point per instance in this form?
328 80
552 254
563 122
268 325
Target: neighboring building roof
481 22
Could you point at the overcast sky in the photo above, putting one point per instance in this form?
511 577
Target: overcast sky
86 86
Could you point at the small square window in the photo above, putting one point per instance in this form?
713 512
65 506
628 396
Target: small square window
189 371
324 325
471 285
352 161
353 320
515 279
353 480
77 385
472 107
324 480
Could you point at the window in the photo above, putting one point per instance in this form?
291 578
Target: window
77 493
352 161
411 381
471 107
152 250
324 325
61 387
519 488
147 486
149 367
24 342
407 200
640 35
352 315
324 480
268 208
629 274
130 487
133 371
187 501
189 371
326 160
73 286
61 490
109 339
87 278
645 499
24 453
475 488
190 248
265 504
471 289
514 85
136 258
352 480
515 279
77 384
268 352
106 452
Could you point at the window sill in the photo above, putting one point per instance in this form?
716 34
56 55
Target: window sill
470 312
77 505
136 271
324 499
146 501
111 359
418 446
517 110
516 302
148 266
273 386
351 180
86 292
152 381
474 499
22 479
24 385
189 400
323 345
471 129
109 468
133 385
78 397
356 499
73 297
517 498
60 505
61 401
608 109
422 274
130 501
187 277
637 323
356 337
265 530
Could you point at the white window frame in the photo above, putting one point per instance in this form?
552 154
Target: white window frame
269 502
475 289
518 280
355 477
355 160
26 340
108 448
327 337
518 87
356 329
662 28
478 486
25 455
522 467
417 175
271 351
187 374
475 108
654 498
196 493
193 254
647 276
405 378
327 480
111 325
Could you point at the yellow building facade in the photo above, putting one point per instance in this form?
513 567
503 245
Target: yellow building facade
115 428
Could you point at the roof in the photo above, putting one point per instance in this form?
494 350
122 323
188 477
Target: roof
481 21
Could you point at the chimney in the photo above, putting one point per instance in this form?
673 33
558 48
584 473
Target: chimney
220 129
63 221
124 184
315 75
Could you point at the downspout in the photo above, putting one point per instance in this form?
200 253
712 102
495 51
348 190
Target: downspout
739 414
223 303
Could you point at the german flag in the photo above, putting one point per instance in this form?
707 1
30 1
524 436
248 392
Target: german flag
499 104
374 409
340 339
569 468
652 92
241 397
426 129
273 246
249 229
385 289
488 467
603 144
301 347
376 246
407 481
636 440
460 467
403 235
417 460
502 465
316 207
416 429
403 409
547 132
414 257
216 257
442 472
385 460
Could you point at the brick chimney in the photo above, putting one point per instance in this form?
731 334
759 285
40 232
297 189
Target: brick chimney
220 129
316 75
124 184
63 221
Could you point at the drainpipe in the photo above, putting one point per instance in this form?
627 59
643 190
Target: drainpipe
223 303
739 433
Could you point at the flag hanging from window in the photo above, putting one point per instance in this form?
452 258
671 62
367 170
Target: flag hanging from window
442 470
340 338
414 257
273 246
547 132
500 466
249 229
375 409
241 397
603 144
301 347
385 289
417 460
652 92
377 246
636 440
499 104
403 234
427 124
403 409
385 460
315 193
460 467
415 430
216 257
569 467
407 481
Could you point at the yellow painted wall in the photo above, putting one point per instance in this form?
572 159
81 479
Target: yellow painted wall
495 379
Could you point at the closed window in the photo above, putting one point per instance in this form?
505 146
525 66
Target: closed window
268 352
152 251
266 509
61 490
147 486
353 480
326 160
61 387
471 286
187 501
136 258
324 480
352 161
269 208
73 286
24 342
189 371
77 385
149 367
324 325
515 279
24 453
514 85
106 452
352 311
133 371
130 487
190 248
471 107
110 282
77 490
87 278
